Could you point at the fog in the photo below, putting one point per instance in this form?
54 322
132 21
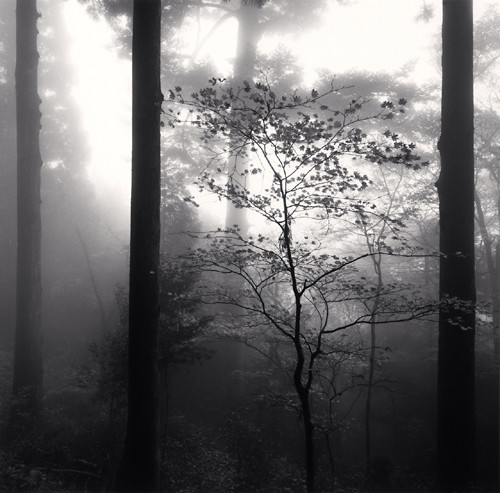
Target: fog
299 246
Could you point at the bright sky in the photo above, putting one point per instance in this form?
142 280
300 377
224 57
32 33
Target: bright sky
104 94
380 35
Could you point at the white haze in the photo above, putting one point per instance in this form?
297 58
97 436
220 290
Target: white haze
382 35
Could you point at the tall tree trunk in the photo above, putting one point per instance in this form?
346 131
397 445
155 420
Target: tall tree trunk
456 409
27 381
496 361
244 68
139 468
492 264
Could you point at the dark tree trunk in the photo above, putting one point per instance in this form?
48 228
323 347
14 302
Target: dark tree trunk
309 443
27 381
303 390
139 468
492 264
305 407
496 364
456 410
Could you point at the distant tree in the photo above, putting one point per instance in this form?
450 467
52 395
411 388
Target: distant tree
456 362
486 46
27 382
249 33
254 18
7 173
374 231
72 219
290 283
487 201
253 21
139 467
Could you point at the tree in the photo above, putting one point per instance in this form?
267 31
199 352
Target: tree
7 173
139 467
249 33
73 219
375 235
486 127
290 283
456 407
486 197
253 21
27 381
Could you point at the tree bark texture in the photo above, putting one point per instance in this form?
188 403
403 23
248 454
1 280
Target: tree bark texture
139 468
456 409
27 380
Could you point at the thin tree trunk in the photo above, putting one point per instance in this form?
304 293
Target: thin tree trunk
456 409
140 465
492 264
368 406
97 294
309 443
371 370
496 358
27 381
331 458
244 67
303 394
